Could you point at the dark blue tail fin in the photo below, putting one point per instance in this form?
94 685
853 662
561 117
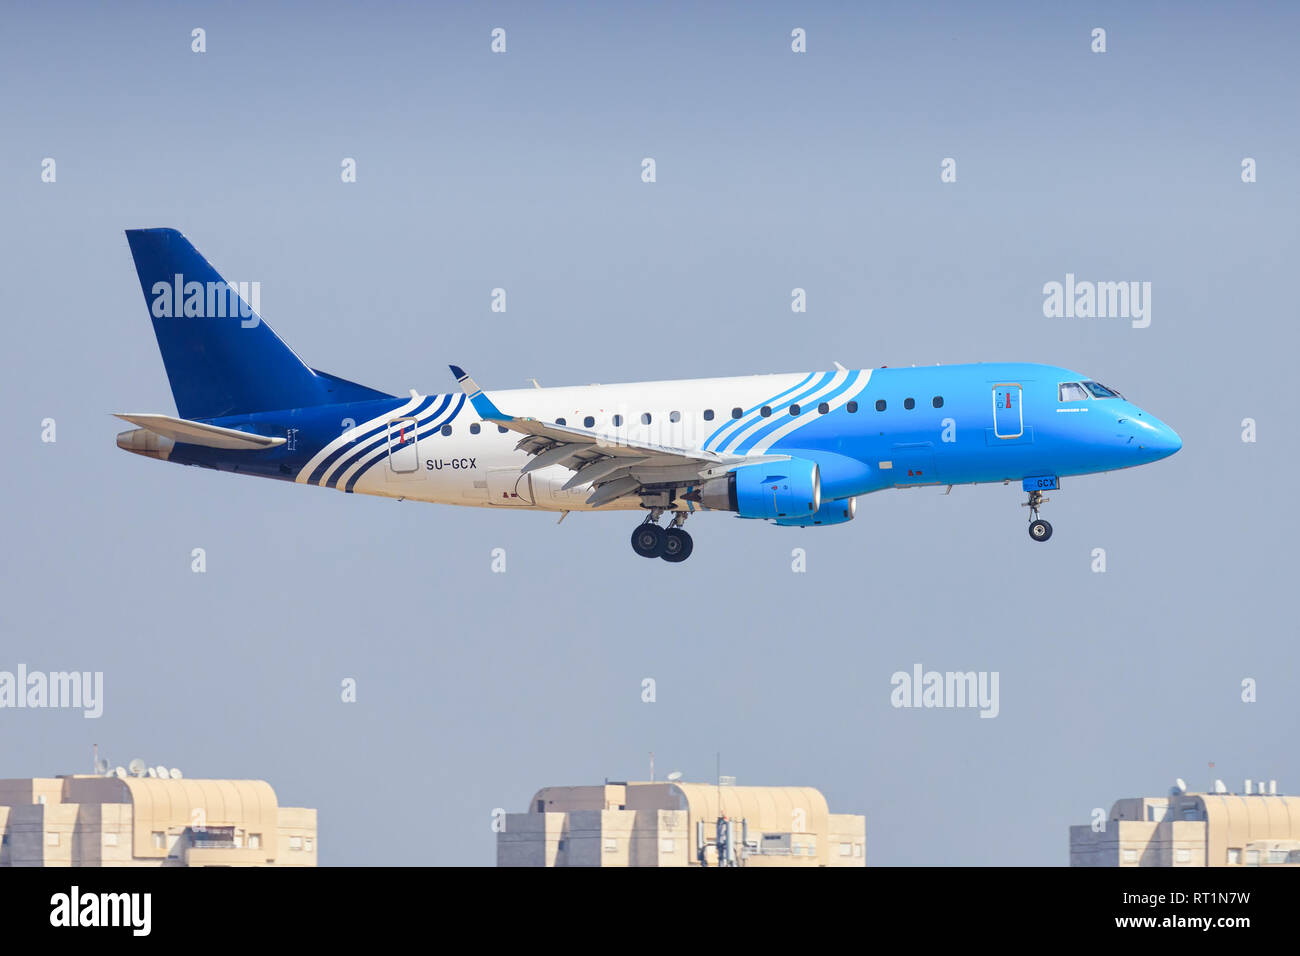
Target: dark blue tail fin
221 358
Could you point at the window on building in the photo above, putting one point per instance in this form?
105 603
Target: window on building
823 408
1182 856
846 849
446 430
909 403
708 414
475 428
110 839
255 841
851 407
1130 856
1234 854
794 409
295 843
857 849
159 840
561 421
937 401
1252 858
880 405
51 839
667 845
765 411
611 845
674 416
737 413
307 844
589 422
645 418
1277 856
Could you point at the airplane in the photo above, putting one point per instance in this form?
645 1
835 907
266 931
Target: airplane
796 450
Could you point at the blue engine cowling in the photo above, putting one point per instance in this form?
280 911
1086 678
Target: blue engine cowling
778 490
831 512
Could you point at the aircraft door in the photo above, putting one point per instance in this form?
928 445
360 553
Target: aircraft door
1008 418
403 453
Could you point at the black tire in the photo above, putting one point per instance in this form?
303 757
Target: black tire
648 540
677 545
1040 530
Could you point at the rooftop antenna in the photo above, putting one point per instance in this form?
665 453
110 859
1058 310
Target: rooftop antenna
101 766
652 766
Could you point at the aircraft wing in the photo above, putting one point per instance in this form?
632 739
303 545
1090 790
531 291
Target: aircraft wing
615 467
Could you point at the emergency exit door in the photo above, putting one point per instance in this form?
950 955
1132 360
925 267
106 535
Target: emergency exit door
1008 419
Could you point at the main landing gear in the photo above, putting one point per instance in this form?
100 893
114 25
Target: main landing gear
1039 529
671 543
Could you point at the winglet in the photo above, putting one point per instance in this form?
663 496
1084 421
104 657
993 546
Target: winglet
482 404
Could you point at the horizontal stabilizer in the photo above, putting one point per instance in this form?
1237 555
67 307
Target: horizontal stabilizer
196 433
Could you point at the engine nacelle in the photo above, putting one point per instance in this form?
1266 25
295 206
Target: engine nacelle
831 512
780 489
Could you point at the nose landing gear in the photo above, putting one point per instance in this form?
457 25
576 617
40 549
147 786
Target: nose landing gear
1039 529
672 543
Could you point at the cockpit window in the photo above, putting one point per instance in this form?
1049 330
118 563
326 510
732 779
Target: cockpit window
1072 392
1101 391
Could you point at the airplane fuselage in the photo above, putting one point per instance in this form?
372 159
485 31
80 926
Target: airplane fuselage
867 430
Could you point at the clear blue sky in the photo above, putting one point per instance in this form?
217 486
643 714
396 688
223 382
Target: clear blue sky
775 171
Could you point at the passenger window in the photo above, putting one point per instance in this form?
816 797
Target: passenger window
446 429
645 418
765 411
561 421
880 404
708 414
674 416
474 428
852 407
937 401
909 403
794 409
736 413
823 408
502 429
1071 392
618 421
588 422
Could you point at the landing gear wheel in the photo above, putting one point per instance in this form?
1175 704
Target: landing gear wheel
1040 530
648 540
677 545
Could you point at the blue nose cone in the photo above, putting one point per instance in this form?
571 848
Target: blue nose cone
1156 438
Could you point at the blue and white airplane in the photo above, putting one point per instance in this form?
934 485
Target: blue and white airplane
794 449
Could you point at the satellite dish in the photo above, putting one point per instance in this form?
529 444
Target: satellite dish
101 765
120 773
175 773
1220 787
136 767
151 773
161 772
1180 785
675 776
